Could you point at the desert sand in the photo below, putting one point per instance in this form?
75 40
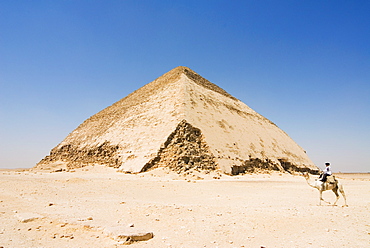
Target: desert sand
92 206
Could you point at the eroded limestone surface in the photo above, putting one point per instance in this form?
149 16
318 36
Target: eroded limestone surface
184 150
75 157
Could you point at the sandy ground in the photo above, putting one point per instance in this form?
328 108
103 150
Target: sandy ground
81 208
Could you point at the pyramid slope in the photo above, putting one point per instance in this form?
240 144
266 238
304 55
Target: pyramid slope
238 135
180 120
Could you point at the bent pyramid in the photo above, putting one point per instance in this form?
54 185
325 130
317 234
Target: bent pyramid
184 122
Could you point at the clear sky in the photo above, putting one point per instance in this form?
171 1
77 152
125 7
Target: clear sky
305 65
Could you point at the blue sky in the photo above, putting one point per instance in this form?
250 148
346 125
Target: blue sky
305 65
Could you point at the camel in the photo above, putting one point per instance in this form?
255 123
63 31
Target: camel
321 186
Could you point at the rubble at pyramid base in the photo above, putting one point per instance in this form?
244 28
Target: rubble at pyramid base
73 157
256 165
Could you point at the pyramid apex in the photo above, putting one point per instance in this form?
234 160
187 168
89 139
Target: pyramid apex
196 78
180 68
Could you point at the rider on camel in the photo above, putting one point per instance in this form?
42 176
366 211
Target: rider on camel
327 172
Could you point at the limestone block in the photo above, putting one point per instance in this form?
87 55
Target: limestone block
127 234
27 217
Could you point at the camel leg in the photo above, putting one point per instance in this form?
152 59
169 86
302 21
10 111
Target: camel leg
322 199
335 190
344 195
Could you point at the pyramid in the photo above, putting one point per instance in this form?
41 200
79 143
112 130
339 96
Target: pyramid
183 122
